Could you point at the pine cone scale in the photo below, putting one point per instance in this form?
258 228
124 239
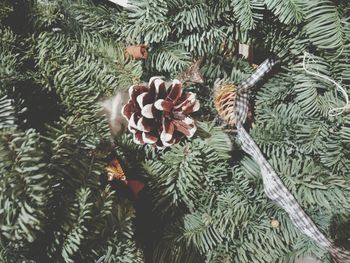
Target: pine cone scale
135 91
144 124
132 122
185 99
128 110
164 105
149 111
149 138
168 131
138 138
176 91
192 108
183 127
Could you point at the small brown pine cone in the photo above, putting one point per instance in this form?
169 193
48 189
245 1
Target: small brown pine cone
159 115
224 100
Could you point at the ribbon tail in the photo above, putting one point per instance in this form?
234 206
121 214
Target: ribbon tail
273 185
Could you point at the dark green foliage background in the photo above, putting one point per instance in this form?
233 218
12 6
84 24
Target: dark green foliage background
203 199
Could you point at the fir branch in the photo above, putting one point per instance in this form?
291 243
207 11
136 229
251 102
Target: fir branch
79 213
247 12
291 11
147 22
7 118
170 57
196 170
325 25
24 184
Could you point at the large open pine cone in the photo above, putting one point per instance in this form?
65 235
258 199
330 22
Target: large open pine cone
158 114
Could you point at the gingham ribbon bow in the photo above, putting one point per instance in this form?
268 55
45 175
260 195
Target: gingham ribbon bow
273 186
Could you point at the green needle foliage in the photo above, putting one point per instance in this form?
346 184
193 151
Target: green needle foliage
203 199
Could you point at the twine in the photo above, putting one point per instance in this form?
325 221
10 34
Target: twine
334 111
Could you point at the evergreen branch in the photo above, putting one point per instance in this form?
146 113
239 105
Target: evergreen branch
170 57
173 248
47 14
79 213
7 118
79 74
119 246
335 154
203 42
191 17
247 12
311 136
290 11
9 58
216 138
195 170
203 235
24 184
147 22
309 91
325 25
97 19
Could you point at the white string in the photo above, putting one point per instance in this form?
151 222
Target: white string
335 111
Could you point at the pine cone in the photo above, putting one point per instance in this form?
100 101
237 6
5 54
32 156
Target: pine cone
224 100
158 114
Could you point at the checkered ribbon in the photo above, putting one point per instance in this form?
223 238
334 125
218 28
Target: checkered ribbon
273 186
